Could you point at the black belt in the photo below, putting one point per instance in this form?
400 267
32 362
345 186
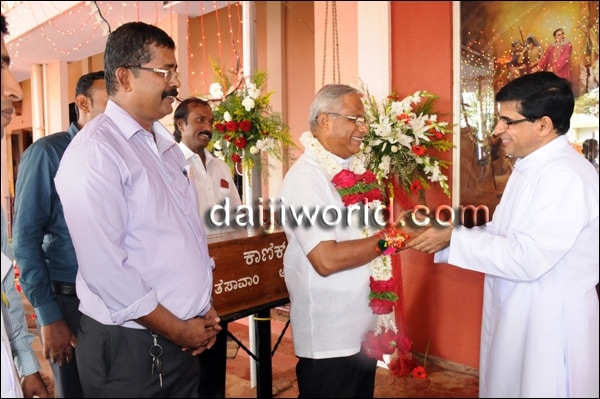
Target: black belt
63 289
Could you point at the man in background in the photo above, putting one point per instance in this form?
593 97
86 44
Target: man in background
20 368
42 245
193 120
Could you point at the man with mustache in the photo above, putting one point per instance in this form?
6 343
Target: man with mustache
193 120
145 276
20 367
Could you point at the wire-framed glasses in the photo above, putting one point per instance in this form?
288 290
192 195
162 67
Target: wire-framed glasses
169 74
358 120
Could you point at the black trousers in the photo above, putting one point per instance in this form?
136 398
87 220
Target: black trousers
66 377
115 362
341 377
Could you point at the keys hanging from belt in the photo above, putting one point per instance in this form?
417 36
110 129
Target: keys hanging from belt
156 352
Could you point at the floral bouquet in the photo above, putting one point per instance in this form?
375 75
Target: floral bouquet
245 125
403 140
401 145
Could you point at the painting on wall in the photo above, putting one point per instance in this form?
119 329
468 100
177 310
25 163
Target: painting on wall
499 41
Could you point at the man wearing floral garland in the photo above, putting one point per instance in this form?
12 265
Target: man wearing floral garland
540 324
328 265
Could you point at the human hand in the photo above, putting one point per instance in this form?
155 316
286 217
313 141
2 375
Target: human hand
58 342
207 329
33 386
431 239
405 223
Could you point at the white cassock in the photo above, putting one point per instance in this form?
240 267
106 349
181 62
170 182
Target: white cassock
539 335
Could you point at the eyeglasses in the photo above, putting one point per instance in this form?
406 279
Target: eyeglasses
169 74
507 122
358 120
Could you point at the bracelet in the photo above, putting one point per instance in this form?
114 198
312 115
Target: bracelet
391 240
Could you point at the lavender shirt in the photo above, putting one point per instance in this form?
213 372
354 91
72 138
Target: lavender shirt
133 217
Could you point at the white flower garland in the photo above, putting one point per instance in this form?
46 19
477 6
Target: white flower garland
381 266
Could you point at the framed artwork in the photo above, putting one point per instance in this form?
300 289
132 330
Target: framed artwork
497 41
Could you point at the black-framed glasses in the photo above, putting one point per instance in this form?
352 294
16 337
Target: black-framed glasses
169 74
358 120
507 122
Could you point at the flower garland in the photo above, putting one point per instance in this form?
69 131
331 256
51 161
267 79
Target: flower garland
356 184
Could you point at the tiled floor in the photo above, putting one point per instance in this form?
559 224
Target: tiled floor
444 380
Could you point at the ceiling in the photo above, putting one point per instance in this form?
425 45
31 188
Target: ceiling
42 32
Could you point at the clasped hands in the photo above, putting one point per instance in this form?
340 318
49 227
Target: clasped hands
424 235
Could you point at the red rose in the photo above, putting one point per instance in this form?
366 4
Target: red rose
220 127
374 194
245 126
236 158
372 347
231 126
240 142
350 199
379 286
418 150
381 306
368 177
344 179
387 341
404 344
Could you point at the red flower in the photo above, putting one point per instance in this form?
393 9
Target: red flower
418 150
404 344
380 286
376 345
236 158
419 372
231 126
438 135
245 126
220 127
381 306
353 198
415 187
374 194
345 179
404 118
368 177
240 142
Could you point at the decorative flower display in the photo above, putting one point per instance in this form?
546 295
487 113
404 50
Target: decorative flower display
404 139
403 143
246 128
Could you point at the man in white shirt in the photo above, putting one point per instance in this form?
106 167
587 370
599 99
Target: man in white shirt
193 120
